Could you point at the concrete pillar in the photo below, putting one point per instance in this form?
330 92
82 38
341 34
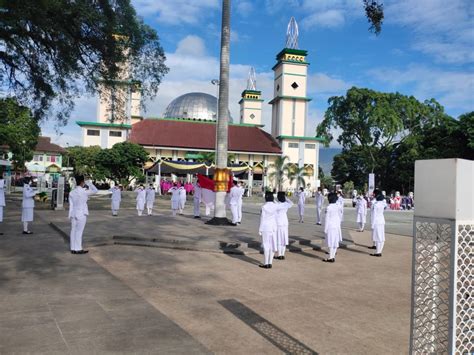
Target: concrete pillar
60 194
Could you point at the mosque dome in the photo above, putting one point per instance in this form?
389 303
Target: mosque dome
194 105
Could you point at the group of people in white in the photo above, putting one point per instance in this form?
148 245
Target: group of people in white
273 227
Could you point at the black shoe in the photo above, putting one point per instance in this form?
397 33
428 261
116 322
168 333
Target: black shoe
377 254
263 266
82 251
329 260
372 247
1 233
318 224
27 232
282 257
239 223
73 252
197 217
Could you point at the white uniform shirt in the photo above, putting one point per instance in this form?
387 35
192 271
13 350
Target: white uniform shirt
141 195
78 200
235 195
319 199
333 218
28 197
197 193
175 192
182 193
2 192
116 194
282 217
361 206
150 194
377 213
301 198
268 217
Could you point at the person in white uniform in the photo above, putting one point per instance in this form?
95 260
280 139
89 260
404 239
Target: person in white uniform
116 198
361 211
332 227
197 199
268 229
282 224
2 197
240 202
28 205
78 212
174 191
319 205
301 201
182 199
378 225
340 203
150 198
141 198
375 193
233 198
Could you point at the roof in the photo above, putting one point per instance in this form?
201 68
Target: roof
195 135
101 124
44 145
302 138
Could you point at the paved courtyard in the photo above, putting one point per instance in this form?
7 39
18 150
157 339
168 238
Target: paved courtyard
175 285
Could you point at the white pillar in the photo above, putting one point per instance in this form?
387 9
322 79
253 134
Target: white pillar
60 194
442 278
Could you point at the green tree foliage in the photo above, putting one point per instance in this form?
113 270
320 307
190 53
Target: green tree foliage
348 188
84 161
327 182
123 162
298 174
279 171
374 12
54 50
385 133
19 130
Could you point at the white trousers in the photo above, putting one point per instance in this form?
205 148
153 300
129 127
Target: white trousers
268 256
77 228
1 213
281 250
239 211
332 253
301 212
361 226
197 211
235 213
149 210
318 214
140 212
174 212
208 210
114 212
379 246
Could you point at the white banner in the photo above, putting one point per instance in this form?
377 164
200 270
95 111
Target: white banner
371 184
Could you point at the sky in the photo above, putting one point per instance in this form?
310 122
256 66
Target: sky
426 49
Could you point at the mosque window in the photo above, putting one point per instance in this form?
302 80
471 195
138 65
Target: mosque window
252 116
93 132
278 87
292 145
310 146
115 134
294 85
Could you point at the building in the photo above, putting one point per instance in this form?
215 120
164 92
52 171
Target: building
187 130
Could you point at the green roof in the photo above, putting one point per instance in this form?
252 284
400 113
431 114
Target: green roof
256 92
292 51
302 138
100 124
289 97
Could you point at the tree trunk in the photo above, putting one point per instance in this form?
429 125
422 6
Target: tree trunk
223 108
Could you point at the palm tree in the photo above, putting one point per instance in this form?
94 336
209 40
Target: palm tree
280 169
297 173
223 114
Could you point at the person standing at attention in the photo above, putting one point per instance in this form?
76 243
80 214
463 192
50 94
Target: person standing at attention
78 212
301 201
319 205
28 204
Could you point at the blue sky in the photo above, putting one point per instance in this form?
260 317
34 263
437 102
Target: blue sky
426 49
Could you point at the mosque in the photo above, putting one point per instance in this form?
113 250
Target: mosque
178 142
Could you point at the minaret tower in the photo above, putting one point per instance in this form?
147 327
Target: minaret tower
290 106
251 102
290 102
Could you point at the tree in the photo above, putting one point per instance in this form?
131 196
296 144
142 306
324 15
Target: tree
85 161
19 130
279 171
210 158
348 188
298 174
374 13
327 182
54 50
123 162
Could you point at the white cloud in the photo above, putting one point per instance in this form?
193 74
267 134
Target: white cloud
245 8
176 12
320 83
442 29
330 19
452 89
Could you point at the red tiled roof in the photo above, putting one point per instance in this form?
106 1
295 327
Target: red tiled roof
45 145
201 135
